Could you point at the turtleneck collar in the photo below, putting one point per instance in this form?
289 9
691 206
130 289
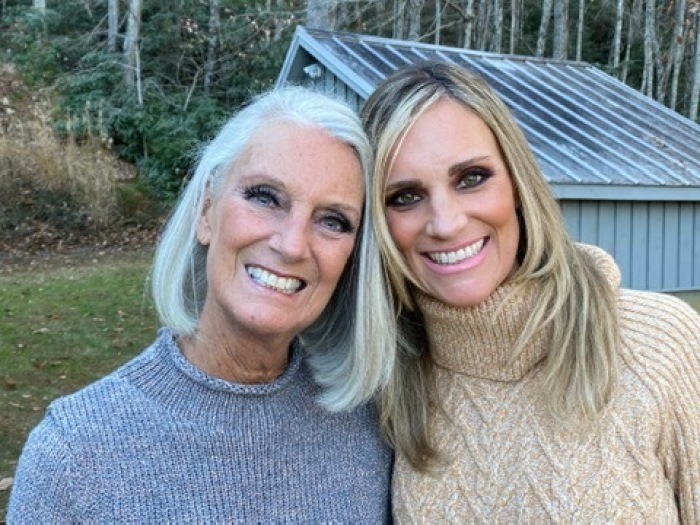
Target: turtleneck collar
479 341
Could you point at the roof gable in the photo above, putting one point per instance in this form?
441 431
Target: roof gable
589 131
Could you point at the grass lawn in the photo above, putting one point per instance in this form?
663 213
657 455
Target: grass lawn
61 328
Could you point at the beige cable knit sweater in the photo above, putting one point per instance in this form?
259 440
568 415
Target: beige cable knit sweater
512 465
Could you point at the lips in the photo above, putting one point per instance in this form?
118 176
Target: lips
456 256
285 285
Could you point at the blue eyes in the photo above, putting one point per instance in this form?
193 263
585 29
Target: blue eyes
337 223
263 195
268 197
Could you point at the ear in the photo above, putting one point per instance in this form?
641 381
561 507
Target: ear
204 222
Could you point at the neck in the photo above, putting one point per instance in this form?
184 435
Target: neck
235 359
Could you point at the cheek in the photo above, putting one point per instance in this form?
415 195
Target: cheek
335 260
402 231
510 231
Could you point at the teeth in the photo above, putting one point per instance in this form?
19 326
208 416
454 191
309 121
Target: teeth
459 255
264 278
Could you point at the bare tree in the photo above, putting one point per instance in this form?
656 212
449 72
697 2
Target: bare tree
438 22
112 25
635 16
579 28
483 23
132 59
677 49
544 26
497 26
399 30
515 25
468 6
617 39
415 7
561 29
279 23
649 39
695 82
322 14
212 45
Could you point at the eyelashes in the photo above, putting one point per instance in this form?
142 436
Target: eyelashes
261 194
268 197
464 180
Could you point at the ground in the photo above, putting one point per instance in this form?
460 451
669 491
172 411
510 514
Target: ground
43 228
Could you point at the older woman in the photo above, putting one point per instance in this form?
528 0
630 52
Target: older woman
530 387
251 404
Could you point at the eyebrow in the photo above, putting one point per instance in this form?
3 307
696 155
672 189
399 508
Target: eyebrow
457 168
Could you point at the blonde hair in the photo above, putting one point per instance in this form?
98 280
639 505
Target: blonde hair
573 297
350 352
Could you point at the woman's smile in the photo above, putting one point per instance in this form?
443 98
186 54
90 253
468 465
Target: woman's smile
273 281
457 256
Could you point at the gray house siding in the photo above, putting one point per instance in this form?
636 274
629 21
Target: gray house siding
625 169
656 244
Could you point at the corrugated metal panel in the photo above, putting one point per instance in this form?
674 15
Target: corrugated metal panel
594 137
655 244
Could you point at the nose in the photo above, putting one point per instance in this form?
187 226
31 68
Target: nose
448 217
291 240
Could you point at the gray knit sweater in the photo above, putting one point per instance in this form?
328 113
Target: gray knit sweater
158 440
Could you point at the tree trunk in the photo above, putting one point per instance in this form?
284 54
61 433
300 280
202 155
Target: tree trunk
279 24
544 26
322 14
483 26
39 5
649 37
579 29
497 27
695 83
635 15
212 45
438 22
677 49
414 15
515 25
112 25
131 45
468 23
617 39
399 31
561 29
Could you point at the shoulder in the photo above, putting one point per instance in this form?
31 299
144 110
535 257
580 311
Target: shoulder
104 401
659 318
660 337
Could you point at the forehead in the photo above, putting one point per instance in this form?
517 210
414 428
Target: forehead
304 157
443 133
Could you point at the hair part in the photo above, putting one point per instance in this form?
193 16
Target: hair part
350 345
573 296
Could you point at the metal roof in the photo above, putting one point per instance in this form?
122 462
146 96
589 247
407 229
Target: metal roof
594 136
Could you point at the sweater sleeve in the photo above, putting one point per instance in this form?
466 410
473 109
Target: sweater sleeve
669 330
42 491
684 427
